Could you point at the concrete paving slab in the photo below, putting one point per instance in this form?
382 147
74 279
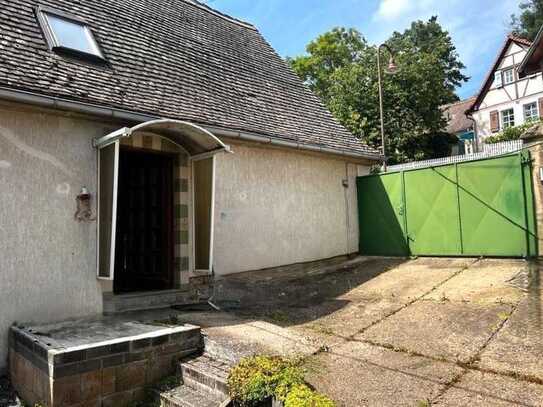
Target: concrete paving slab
453 331
351 319
301 284
236 336
486 389
357 374
486 281
371 300
518 347
409 280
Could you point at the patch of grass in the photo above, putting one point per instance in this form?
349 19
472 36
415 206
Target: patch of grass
256 379
279 316
423 403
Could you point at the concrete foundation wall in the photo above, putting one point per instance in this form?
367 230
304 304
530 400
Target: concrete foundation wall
276 207
48 259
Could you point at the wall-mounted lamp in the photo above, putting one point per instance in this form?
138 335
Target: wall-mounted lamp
84 211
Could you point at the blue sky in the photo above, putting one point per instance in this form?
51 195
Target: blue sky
478 27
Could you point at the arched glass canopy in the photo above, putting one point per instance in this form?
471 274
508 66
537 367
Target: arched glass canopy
194 139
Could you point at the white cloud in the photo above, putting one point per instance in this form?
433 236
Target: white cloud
392 9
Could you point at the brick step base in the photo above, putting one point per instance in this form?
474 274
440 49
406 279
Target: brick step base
205 373
204 381
185 396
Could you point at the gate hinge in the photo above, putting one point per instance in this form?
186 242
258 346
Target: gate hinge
526 159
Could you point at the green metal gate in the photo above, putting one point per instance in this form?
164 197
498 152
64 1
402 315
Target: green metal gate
476 208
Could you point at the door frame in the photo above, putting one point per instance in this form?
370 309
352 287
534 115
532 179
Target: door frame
170 211
113 225
192 215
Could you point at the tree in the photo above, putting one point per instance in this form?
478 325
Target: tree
340 67
529 21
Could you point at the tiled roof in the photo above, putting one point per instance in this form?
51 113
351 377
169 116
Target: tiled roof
171 58
520 40
455 113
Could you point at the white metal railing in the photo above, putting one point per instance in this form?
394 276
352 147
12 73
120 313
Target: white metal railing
489 150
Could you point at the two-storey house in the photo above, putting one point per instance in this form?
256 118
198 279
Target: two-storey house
507 98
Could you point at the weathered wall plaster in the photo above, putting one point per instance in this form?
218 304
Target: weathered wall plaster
273 207
276 206
48 260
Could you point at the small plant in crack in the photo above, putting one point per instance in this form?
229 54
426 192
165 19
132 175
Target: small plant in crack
322 329
424 403
504 316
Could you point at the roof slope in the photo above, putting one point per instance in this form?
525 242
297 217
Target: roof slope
489 76
455 113
170 58
531 63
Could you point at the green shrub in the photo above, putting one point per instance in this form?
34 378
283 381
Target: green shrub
511 133
257 378
302 396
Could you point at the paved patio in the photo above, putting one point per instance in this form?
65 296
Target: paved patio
451 332
390 332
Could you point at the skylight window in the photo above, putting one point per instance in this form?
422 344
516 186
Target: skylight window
68 33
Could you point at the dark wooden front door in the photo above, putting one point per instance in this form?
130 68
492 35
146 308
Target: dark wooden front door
144 246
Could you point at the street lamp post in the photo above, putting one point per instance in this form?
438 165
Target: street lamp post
391 69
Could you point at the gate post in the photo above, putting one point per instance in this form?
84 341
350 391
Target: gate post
404 215
529 204
458 208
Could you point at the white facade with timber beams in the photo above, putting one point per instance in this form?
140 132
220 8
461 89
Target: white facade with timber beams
507 98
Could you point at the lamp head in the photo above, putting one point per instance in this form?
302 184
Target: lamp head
392 68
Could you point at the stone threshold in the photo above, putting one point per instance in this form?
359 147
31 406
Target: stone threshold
146 300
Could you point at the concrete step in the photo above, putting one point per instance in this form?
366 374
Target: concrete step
118 303
185 396
206 374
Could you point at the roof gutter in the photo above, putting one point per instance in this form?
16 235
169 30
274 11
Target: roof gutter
114 113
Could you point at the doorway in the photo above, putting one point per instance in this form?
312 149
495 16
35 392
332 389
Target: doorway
144 236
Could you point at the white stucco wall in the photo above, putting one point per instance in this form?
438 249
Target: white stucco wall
48 260
515 95
275 207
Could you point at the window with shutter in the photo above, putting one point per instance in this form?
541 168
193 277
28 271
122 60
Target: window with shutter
540 103
494 121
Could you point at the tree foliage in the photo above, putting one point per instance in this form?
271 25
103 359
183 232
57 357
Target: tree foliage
530 19
341 68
